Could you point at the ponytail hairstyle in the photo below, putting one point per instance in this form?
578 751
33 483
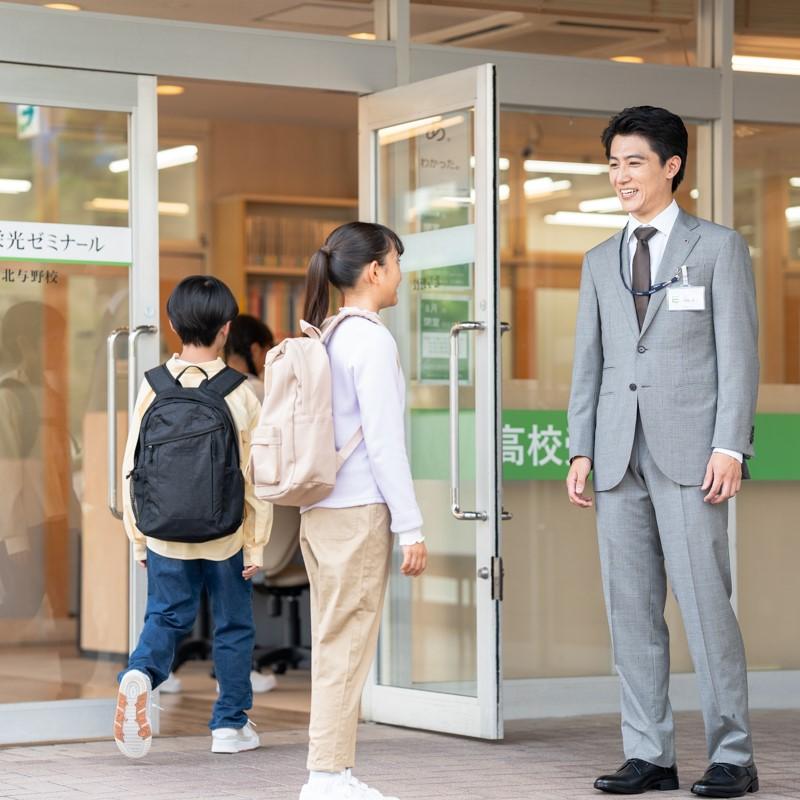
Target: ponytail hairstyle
341 260
245 331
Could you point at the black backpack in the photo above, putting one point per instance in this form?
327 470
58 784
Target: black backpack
187 483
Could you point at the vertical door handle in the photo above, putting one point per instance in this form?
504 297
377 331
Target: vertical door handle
133 366
505 327
455 469
111 407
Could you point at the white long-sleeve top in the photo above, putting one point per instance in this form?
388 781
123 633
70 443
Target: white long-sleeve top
368 390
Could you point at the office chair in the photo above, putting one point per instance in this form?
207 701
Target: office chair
283 580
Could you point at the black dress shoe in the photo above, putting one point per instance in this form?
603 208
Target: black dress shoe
727 780
636 776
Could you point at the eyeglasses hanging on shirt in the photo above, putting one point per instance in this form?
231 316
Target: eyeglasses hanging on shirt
656 287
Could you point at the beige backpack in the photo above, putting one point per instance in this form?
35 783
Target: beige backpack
293 457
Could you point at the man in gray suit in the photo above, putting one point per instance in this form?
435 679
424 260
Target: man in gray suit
663 396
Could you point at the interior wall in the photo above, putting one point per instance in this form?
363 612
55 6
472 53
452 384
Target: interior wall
282 159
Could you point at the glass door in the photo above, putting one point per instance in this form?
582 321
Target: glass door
78 305
428 170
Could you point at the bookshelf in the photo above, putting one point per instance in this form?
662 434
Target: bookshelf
261 248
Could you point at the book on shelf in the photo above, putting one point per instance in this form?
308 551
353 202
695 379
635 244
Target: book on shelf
274 241
279 303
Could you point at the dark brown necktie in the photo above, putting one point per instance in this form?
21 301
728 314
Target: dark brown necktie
641 270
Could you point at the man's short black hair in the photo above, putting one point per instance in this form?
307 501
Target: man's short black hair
664 130
198 307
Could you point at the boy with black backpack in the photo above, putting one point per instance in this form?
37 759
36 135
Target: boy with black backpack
193 518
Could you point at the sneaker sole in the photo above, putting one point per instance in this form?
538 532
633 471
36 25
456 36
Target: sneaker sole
230 748
135 741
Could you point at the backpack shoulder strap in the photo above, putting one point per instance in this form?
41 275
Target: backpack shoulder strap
349 448
332 323
226 380
160 379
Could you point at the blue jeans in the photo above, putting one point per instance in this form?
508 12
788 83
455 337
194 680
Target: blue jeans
174 587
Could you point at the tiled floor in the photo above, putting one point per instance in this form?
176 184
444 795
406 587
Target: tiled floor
542 759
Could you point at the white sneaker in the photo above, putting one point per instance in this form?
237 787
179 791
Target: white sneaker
345 788
133 732
172 685
260 683
235 740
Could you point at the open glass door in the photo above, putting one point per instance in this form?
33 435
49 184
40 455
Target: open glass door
78 307
428 165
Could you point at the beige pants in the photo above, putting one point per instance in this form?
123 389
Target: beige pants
347 553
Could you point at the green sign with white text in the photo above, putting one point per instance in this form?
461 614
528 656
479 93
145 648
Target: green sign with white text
536 445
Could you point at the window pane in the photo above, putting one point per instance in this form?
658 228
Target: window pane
628 30
63 558
767 214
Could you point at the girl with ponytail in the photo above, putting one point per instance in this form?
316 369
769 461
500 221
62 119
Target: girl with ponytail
347 537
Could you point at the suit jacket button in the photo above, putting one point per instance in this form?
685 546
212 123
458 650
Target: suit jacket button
632 387
641 348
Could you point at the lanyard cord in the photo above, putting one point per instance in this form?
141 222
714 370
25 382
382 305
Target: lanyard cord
658 287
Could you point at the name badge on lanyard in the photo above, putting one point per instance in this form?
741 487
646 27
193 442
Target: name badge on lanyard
686 297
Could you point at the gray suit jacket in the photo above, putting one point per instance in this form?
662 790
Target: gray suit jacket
692 375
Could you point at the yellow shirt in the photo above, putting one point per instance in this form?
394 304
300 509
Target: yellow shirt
255 530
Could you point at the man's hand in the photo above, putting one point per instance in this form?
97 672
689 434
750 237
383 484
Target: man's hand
415 559
576 481
723 478
248 572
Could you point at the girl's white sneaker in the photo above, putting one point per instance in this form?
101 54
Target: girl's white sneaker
345 787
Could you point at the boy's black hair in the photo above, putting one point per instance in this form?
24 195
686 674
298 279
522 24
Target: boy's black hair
198 307
664 130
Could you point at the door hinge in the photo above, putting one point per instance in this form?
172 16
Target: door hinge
498 573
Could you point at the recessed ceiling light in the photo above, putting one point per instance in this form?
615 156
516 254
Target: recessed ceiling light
169 89
628 59
63 6
369 37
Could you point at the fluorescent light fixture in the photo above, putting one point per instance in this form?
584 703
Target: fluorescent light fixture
628 59
9 186
405 130
776 66
63 6
601 204
367 37
169 89
565 167
793 216
503 191
694 194
173 157
794 183
536 188
120 206
403 127
577 219
503 163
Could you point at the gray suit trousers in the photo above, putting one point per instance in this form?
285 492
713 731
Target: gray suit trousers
645 523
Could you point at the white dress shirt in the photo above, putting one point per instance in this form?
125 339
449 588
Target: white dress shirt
663 222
